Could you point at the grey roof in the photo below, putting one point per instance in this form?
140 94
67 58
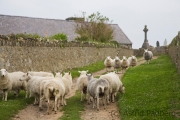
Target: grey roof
41 26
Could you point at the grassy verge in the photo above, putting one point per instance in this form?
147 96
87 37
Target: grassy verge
72 110
9 108
152 91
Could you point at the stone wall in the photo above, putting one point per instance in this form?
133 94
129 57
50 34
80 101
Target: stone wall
25 57
156 51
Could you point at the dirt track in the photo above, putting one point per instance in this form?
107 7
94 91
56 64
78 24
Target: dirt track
32 112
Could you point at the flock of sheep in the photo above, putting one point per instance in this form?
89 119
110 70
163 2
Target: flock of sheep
45 86
41 85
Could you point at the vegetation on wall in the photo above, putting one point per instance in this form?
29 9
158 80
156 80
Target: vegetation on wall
94 28
59 36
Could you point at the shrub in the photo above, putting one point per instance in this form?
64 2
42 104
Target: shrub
59 36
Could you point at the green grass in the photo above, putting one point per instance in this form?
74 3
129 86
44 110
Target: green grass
9 108
73 108
91 69
152 91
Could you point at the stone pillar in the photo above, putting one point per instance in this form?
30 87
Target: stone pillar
145 44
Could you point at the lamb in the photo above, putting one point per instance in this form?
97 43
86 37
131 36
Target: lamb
41 73
132 60
124 63
115 84
116 63
33 84
81 83
67 82
97 88
108 63
147 55
10 82
54 89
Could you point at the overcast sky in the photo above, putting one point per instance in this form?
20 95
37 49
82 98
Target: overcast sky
162 17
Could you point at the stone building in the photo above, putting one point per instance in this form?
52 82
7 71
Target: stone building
48 27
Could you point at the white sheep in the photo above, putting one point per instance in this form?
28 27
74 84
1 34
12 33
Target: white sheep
98 88
124 63
10 82
52 89
115 84
33 84
108 63
147 55
132 60
41 73
67 81
82 82
116 63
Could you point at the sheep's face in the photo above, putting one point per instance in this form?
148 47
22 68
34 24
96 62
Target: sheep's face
108 58
124 58
89 76
59 75
122 89
68 75
117 59
3 72
146 51
83 72
133 57
24 77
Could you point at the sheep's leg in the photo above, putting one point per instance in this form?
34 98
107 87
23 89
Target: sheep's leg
93 100
40 102
97 103
88 97
104 102
5 97
112 97
81 95
64 101
55 105
48 102
58 103
85 96
26 94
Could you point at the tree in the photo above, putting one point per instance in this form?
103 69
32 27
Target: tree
95 27
157 44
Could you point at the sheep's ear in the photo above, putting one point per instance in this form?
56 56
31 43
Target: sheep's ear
79 71
87 70
69 73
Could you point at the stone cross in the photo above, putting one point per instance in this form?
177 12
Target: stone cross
145 31
145 44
